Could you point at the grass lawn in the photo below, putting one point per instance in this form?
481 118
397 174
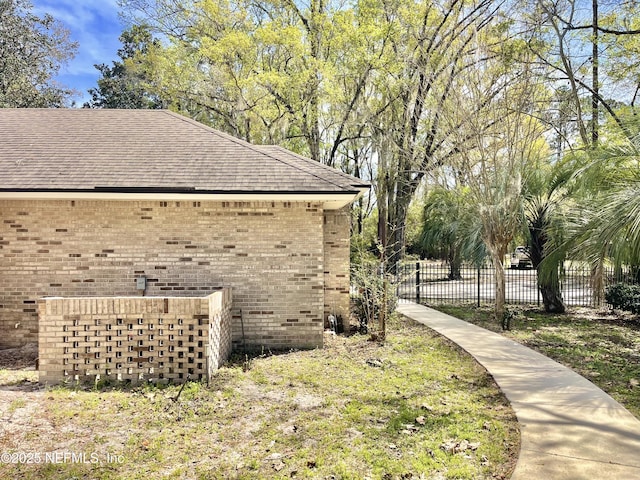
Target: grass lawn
602 346
413 407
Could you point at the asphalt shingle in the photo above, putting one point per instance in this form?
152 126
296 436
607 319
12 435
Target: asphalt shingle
96 150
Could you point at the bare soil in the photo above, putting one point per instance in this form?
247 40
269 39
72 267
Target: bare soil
19 358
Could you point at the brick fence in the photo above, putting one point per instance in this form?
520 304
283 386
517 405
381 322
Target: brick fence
162 339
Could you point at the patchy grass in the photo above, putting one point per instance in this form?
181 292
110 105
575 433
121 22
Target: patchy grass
413 407
11 377
601 346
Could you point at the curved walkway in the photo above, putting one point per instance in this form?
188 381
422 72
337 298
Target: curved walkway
570 429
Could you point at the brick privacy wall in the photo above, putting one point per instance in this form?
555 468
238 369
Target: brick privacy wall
220 336
133 338
270 253
337 238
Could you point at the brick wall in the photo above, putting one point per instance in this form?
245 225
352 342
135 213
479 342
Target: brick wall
337 236
220 335
133 338
272 254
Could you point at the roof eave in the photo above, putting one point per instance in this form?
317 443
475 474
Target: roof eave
329 200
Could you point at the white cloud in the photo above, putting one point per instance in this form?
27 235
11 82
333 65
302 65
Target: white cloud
70 11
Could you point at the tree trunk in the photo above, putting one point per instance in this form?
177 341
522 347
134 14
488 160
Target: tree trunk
597 280
356 173
552 299
383 215
595 82
498 268
397 224
548 280
404 189
455 266
549 286
455 271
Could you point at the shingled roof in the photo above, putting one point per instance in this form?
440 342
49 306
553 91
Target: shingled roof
89 151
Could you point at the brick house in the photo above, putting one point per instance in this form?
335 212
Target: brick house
147 202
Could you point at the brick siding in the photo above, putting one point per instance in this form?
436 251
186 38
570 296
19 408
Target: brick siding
272 255
337 234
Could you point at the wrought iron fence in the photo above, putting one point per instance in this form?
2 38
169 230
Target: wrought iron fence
436 283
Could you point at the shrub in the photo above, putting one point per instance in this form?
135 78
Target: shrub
374 294
623 296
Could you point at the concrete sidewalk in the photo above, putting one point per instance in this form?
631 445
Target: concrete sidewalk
570 429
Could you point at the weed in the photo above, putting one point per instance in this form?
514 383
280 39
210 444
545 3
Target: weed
16 404
508 315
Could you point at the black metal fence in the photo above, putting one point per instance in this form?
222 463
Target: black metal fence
435 283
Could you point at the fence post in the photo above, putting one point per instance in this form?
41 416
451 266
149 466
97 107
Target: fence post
478 286
417 282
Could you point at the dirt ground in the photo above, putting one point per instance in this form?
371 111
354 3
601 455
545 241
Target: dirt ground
19 358
19 386
18 370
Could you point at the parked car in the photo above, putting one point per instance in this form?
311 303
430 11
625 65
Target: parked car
520 258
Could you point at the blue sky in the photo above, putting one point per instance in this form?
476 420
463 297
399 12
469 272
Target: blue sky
95 26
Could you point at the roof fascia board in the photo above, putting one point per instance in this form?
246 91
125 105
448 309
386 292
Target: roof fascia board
332 201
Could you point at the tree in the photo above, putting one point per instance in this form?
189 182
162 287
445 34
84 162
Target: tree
121 86
432 44
500 102
546 194
621 42
605 224
574 42
32 50
449 228
267 72
579 39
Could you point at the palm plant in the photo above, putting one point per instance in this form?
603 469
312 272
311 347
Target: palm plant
606 223
449 229
506 139
545 196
